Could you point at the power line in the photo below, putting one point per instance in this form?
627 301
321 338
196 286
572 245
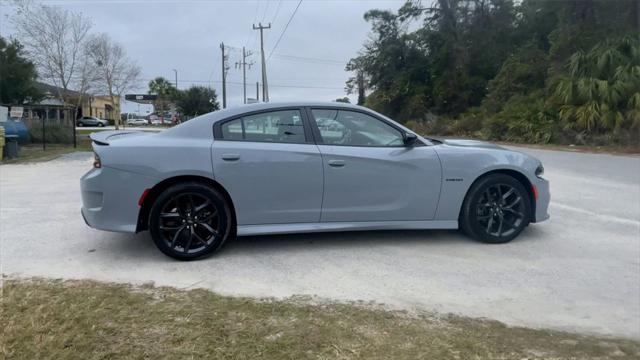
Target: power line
277 11
264 14
285 29
194 81
309 59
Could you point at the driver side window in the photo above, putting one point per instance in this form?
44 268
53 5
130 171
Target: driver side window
353 128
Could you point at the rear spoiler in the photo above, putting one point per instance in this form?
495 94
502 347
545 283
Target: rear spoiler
102 137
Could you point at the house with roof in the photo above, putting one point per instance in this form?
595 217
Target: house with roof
53 109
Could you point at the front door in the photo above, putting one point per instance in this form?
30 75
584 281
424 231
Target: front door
370 175
270 166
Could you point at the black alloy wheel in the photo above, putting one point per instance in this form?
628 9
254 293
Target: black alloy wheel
189 220
496 209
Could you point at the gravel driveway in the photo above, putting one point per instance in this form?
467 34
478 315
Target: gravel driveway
578 271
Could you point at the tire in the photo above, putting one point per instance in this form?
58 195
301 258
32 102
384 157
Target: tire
80 124
496 209
190 220
100 125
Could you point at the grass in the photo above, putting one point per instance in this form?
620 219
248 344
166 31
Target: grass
89 320
33 153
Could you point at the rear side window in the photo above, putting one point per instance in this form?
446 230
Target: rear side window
284 126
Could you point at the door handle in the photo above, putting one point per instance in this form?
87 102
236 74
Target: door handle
230 157
336 163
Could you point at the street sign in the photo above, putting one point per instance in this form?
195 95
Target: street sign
141 98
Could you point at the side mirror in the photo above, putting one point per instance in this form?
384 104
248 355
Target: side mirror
409 139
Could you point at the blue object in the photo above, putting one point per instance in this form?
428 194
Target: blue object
18 128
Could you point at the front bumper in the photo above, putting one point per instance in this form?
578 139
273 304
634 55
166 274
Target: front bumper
110 198
544 198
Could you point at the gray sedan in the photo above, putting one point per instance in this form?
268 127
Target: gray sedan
304 167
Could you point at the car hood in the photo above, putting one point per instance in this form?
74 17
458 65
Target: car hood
470 143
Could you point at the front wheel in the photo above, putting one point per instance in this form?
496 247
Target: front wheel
190 220
80 124
100 125
496 209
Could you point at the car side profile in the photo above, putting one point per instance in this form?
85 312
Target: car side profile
304 167
91 121
137 122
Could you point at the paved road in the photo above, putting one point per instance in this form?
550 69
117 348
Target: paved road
578 271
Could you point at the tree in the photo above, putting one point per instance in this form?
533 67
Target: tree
197 100
55 40
17 75
602 89
166 92
116 72
343 100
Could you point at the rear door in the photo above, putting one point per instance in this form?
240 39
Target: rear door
271 167
370 175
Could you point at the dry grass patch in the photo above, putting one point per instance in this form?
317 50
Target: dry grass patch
33 153
89 320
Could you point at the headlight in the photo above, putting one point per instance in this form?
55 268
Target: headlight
540 171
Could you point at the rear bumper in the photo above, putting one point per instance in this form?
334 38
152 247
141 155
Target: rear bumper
110 198
544 198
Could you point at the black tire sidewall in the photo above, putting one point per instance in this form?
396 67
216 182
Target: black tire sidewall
470 226
197 188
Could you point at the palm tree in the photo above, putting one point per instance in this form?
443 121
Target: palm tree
602 89
165 90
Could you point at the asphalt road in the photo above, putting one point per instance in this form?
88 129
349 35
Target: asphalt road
578 271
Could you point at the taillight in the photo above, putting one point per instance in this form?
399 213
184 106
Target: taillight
96 161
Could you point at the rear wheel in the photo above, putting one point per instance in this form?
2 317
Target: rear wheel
100 125
189 220
496 210
80 124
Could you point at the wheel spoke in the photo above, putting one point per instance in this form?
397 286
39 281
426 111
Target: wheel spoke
516 213
188 246
170 215
499 192
516 201
208 227
489 224
484 217
201 240
508 193
213 214
175 236
162 227
500 225
201 207
510 224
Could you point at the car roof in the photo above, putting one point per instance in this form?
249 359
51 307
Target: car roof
199 126
245 108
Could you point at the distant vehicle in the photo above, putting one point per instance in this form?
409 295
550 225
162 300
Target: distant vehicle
304 167
137 122
91 121
156 122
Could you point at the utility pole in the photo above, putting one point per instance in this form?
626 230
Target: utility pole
243 64
265 87
176 73
257 91
225 67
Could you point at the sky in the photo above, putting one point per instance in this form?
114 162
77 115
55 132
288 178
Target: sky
307 64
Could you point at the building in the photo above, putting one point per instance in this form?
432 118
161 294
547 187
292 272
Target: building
52 109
